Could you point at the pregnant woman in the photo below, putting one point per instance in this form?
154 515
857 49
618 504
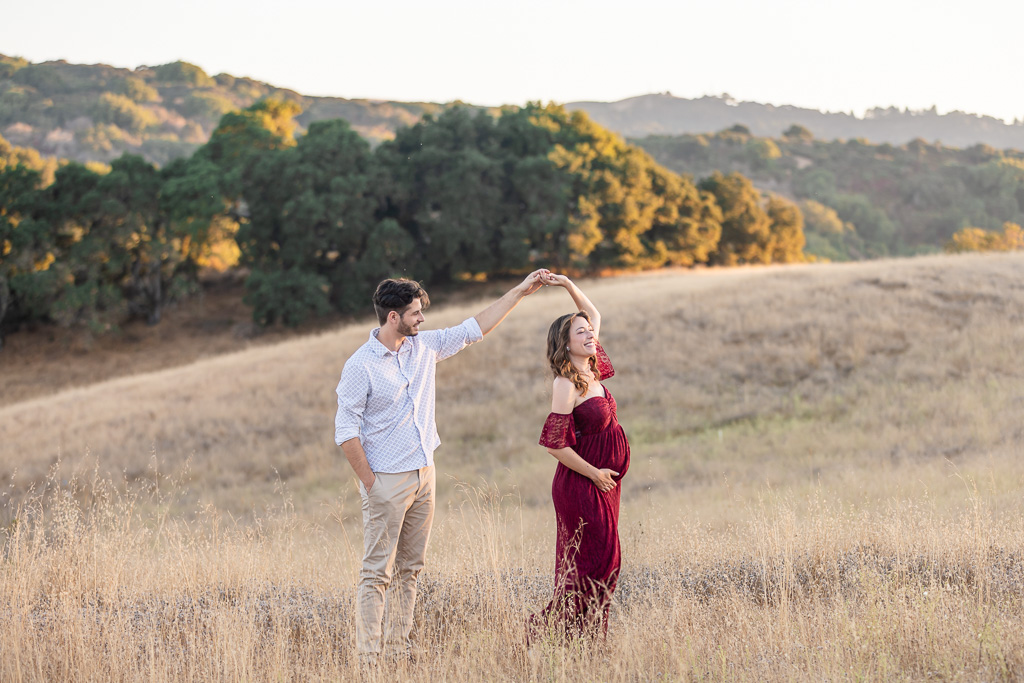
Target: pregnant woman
583 434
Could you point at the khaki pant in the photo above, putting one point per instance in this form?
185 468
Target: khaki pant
397 514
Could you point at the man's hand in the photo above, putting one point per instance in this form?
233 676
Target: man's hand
356 457
490 317
533 281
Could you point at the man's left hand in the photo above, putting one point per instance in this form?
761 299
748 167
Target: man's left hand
533 281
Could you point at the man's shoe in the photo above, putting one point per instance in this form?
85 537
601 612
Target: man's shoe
407 658
369 662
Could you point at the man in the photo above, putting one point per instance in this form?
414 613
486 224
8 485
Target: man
385 425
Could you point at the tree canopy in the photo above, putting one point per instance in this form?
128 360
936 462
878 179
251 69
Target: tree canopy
891 200
318 217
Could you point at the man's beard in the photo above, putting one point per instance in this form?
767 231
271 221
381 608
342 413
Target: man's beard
406 331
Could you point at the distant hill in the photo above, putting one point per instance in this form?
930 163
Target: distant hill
664 114
98 112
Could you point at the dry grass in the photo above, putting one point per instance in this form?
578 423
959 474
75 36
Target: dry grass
46 360
826 484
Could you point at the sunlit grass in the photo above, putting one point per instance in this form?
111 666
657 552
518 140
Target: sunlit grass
826 484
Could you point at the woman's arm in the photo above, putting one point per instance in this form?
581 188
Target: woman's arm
602 478
579 298
563 398
490 317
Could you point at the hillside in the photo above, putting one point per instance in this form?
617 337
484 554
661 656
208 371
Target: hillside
696 351
42 360
862 200
98 112
825 484
663 114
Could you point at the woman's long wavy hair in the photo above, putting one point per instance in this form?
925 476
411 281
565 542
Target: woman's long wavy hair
558 352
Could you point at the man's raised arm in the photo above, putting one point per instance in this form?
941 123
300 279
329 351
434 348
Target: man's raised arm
490 317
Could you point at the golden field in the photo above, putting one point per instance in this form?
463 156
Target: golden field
825 485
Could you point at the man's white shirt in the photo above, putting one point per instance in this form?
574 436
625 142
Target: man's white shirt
386 398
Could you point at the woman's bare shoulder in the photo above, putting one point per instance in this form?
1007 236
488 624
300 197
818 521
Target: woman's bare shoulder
561 382
563 395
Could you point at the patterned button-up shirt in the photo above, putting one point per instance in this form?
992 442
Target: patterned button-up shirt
387 398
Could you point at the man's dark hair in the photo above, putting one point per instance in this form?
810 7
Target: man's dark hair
396 295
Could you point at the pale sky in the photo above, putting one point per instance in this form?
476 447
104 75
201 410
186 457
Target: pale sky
825 54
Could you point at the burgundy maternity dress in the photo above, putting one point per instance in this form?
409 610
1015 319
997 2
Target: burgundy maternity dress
587 556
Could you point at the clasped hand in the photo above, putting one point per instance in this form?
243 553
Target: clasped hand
603 481
540 278
554 279
534 281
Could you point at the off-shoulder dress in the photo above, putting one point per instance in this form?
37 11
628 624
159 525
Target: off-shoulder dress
587 555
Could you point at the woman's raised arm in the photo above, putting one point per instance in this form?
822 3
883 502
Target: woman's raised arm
579 298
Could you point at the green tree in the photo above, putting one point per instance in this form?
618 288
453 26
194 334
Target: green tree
241 137
128 258
687 226
871 222
311 216
625 210
81 286
122 112
24 246
45 78
207 106
822 219
446 189
787 231
137 90
798 133
818 184
29 158
1001 183
976 239
9 65
144 255
746 226
183 72
535 194
93 249
761 152
192 201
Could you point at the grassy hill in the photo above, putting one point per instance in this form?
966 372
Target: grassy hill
825 483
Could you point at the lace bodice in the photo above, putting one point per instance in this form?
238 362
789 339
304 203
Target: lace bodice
590 417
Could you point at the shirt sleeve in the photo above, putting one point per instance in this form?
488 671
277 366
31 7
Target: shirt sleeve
559 431
449 341
353 390
604 363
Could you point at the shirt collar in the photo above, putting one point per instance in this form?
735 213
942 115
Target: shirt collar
380 350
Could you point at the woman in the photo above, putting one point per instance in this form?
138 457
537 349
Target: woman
583 433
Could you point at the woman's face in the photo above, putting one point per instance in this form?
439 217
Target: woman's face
582 342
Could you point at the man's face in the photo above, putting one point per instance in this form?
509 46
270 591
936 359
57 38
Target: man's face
409 320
